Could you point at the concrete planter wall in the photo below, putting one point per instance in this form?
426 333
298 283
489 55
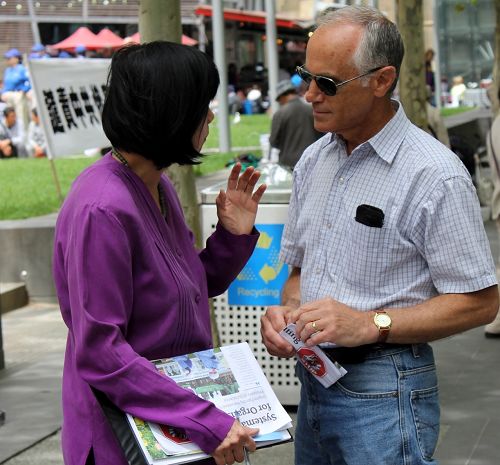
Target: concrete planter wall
26 246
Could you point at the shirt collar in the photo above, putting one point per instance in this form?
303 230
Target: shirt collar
387 141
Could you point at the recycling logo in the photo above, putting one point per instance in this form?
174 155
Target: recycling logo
262 279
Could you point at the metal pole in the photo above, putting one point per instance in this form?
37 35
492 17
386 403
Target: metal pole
272 53
56 180
34 25
202 35
85 10
220 61
437 71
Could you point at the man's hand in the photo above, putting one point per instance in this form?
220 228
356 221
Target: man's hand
272 322
328 320
231 448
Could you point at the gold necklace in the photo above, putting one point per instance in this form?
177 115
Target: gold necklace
161 194
120 157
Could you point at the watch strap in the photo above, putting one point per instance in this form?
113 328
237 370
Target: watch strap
383 332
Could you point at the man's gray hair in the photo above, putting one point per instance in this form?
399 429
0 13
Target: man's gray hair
381 44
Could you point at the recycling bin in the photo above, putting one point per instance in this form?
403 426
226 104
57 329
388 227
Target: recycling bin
238 310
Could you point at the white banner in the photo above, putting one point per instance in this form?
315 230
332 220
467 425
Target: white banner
69 95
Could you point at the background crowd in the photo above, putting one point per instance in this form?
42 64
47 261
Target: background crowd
20 132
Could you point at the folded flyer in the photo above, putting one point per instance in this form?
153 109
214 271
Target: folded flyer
314 359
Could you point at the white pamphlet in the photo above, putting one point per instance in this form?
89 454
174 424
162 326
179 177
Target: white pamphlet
326 371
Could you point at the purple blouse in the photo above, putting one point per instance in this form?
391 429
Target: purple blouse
132 288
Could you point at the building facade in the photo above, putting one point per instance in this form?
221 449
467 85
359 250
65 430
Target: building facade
462 31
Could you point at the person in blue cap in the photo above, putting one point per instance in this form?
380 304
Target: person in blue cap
37 52
80 51
16 85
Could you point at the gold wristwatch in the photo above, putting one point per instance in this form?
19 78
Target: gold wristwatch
383 322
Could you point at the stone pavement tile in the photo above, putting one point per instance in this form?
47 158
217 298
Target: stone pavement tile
30 386
469 379
30 398
35 329
46 452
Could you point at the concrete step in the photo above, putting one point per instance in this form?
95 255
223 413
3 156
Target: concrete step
12 296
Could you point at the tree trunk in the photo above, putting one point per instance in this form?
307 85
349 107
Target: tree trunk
412 91
493 92
161 20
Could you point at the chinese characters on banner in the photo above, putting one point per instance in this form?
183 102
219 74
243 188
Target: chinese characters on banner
69 97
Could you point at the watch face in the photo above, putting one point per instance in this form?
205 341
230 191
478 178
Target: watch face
383 320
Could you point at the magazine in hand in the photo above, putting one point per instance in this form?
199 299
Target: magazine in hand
231 378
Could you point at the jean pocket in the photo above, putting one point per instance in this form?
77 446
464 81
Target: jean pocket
425 407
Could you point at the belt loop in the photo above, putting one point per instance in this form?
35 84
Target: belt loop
415 350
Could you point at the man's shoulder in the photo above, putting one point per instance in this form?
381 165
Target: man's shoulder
297 104
300 102
424 152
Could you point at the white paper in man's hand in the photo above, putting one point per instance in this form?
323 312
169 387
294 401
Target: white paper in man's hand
314 359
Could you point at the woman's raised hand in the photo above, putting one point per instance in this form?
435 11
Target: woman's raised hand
237 205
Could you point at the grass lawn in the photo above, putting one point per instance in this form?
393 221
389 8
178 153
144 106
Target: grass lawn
455 111
27 186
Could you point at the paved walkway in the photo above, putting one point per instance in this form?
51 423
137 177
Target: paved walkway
34 339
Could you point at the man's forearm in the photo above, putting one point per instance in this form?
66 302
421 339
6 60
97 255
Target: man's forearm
443 316
291 290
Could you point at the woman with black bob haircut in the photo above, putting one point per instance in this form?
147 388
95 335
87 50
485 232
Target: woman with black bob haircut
158 95
131 285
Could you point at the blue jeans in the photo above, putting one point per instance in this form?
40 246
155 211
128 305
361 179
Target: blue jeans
384 411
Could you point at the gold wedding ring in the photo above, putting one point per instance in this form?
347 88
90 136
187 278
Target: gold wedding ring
313 324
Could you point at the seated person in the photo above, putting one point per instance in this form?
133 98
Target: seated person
7 150
14 131
36 145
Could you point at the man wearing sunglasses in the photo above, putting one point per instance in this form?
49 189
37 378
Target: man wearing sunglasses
388 252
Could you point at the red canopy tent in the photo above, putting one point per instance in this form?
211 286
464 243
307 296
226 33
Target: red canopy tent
109 39
186 40
82 36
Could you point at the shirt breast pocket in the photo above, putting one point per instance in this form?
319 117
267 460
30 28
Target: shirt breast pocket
366 257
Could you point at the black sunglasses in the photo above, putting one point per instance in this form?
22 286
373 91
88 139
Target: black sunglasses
325 84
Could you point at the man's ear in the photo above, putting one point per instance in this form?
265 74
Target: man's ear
383 80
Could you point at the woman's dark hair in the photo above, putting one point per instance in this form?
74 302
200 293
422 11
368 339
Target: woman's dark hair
157 97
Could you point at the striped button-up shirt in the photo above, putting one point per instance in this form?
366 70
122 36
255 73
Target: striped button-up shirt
432 240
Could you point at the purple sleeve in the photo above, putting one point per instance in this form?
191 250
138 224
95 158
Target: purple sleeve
99 270
225 256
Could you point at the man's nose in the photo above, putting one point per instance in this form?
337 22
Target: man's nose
313 93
